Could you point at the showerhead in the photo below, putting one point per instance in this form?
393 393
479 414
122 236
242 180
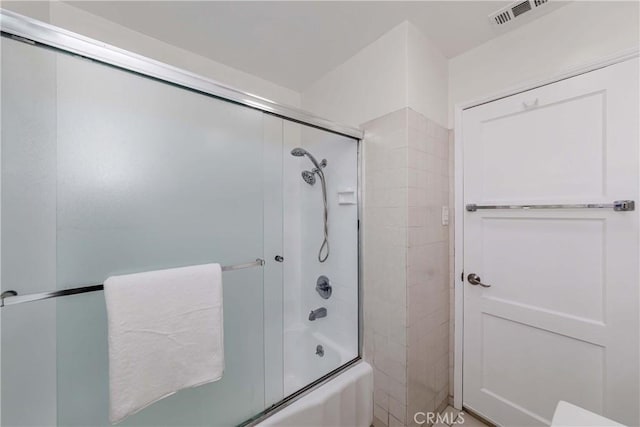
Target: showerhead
309 177
299 152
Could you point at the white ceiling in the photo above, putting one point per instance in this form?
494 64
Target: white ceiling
295 43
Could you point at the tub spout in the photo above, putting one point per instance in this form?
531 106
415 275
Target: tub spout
318 313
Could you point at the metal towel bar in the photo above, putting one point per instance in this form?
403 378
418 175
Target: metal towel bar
618 206
12 297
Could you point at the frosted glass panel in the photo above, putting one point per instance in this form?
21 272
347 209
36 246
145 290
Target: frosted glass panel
152 176
28 233
105 172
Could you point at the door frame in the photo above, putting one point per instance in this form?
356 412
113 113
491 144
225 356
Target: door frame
458 177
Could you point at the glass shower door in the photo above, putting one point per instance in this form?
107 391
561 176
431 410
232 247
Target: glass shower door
105 172
108 172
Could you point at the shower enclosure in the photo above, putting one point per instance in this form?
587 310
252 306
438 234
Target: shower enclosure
113 163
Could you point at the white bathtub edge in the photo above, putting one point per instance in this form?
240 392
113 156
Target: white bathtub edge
344 401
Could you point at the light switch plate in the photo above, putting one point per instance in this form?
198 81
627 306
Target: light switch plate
445 215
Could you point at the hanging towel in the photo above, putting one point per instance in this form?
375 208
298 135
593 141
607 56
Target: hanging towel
165 334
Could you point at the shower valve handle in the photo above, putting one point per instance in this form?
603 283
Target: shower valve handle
279 258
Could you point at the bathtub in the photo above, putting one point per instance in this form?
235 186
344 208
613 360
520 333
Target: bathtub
302 364
344 401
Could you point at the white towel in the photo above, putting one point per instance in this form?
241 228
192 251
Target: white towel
165 334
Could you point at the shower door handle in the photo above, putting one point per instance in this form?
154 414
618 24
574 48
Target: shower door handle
474 279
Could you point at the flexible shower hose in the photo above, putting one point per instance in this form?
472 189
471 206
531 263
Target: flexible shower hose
325 243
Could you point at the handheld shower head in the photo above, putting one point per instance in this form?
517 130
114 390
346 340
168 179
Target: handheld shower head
299 152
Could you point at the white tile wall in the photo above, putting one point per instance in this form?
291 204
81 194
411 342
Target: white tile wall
385 153
451 262
428 266
406 264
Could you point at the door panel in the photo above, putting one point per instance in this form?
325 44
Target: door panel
560 318
563 132
527 244
507 343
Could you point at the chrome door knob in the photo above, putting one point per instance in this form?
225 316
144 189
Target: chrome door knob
474 279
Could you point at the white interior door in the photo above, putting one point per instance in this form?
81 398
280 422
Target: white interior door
560 318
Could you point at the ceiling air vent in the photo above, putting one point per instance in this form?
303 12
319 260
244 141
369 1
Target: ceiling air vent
514 10
521 8
502 18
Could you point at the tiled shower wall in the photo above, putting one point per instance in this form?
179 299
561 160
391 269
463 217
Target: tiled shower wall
427 267
385 152
406 265
452 277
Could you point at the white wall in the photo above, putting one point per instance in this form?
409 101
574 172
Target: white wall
574 35
79 21
370 84
35 9
400 69
428 72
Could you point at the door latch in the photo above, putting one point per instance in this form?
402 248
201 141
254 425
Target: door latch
474 279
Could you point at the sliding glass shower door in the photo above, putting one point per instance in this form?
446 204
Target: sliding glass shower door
107 172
